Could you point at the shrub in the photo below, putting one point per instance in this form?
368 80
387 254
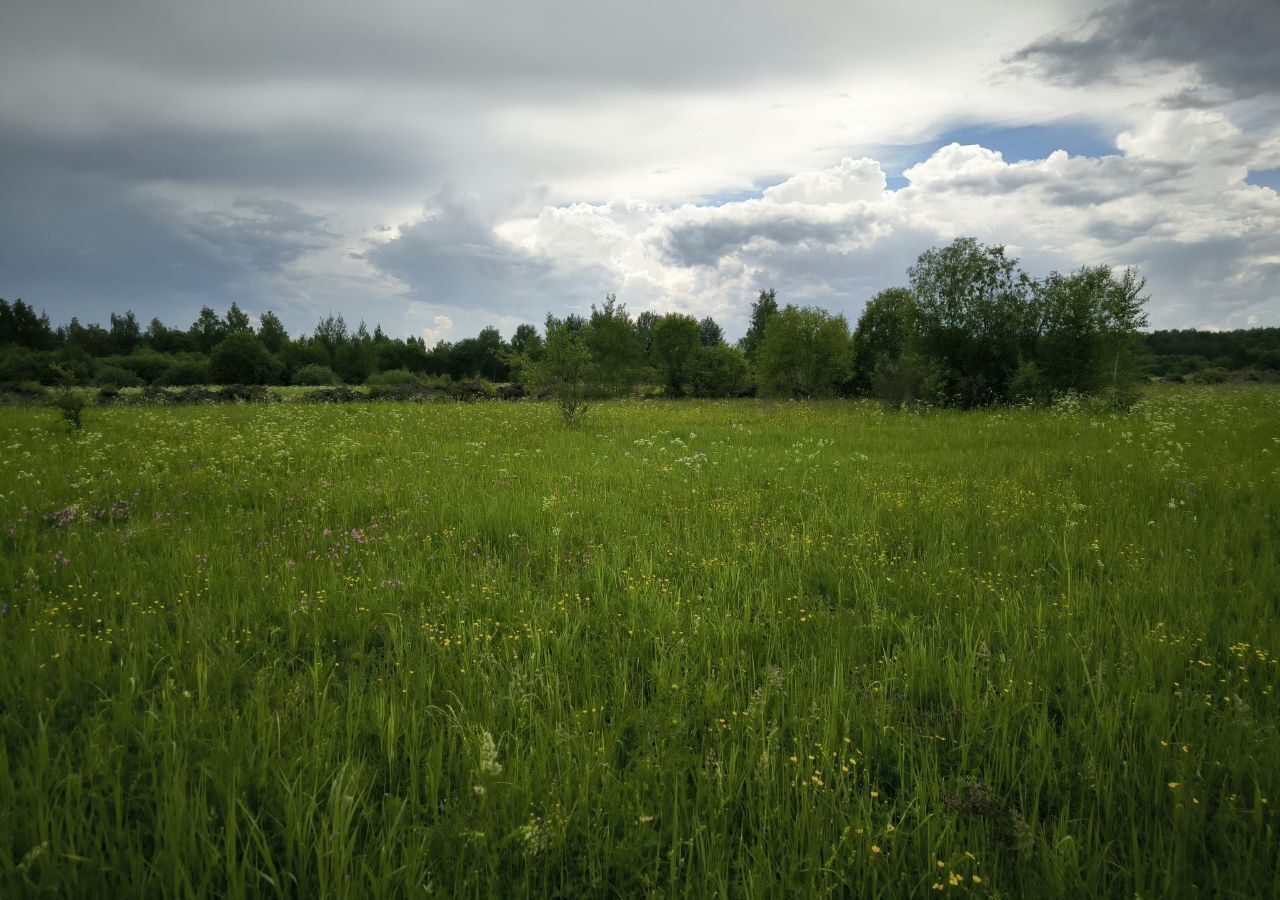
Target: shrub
718 371
907 380
243 359
393 376
114 376
71 403
1213 375
184 373
316 376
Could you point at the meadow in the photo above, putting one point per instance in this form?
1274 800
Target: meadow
689 649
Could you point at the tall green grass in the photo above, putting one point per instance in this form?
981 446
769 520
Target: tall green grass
729 649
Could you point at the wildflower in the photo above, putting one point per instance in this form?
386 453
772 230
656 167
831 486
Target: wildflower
489 755
875 848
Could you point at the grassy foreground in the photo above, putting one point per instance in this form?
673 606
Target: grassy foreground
727 649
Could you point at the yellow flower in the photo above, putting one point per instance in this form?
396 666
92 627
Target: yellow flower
875 848
1174 785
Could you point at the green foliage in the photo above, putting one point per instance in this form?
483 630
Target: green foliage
207 330
805 353
762 312
676 339
1212 375
191 369
618 354
242 359
237 321
395 376
974 317
710 334
1089 324
24 364
314 375
19 325
108 375
909 380
271 332
71 403
718 371
566 367
126 334
885 329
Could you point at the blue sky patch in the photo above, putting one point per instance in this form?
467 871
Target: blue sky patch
1015 144
1264 178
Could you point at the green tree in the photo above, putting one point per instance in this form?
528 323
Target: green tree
885 329
762 312
271 332
718 371
1089 330
238 321
644 324
207 330
330 334
565 369
242 359
805 353
974 316
676 338
710 332
126 334
20 325
617 350
525 349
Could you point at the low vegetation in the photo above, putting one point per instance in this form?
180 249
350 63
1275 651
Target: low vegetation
709 648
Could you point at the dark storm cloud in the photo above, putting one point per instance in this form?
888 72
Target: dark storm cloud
702 236
285 157
1233 44
85 244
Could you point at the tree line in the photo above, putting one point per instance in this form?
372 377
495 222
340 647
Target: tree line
969 328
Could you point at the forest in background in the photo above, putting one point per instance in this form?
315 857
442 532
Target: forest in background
971 329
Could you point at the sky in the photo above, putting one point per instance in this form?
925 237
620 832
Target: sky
441 166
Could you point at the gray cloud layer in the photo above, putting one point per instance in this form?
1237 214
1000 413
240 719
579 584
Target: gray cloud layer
1234 45
160 155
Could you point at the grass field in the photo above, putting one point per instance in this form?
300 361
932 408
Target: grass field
728 649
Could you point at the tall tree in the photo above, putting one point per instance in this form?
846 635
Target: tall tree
1088 328
762 311
886 326
126 334
805 353
975 317
271 332
565 369
612 338
676 337
710 332
238 321
207 330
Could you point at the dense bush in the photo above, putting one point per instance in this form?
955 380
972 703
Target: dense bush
190 370
115 376
316 376
395 376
